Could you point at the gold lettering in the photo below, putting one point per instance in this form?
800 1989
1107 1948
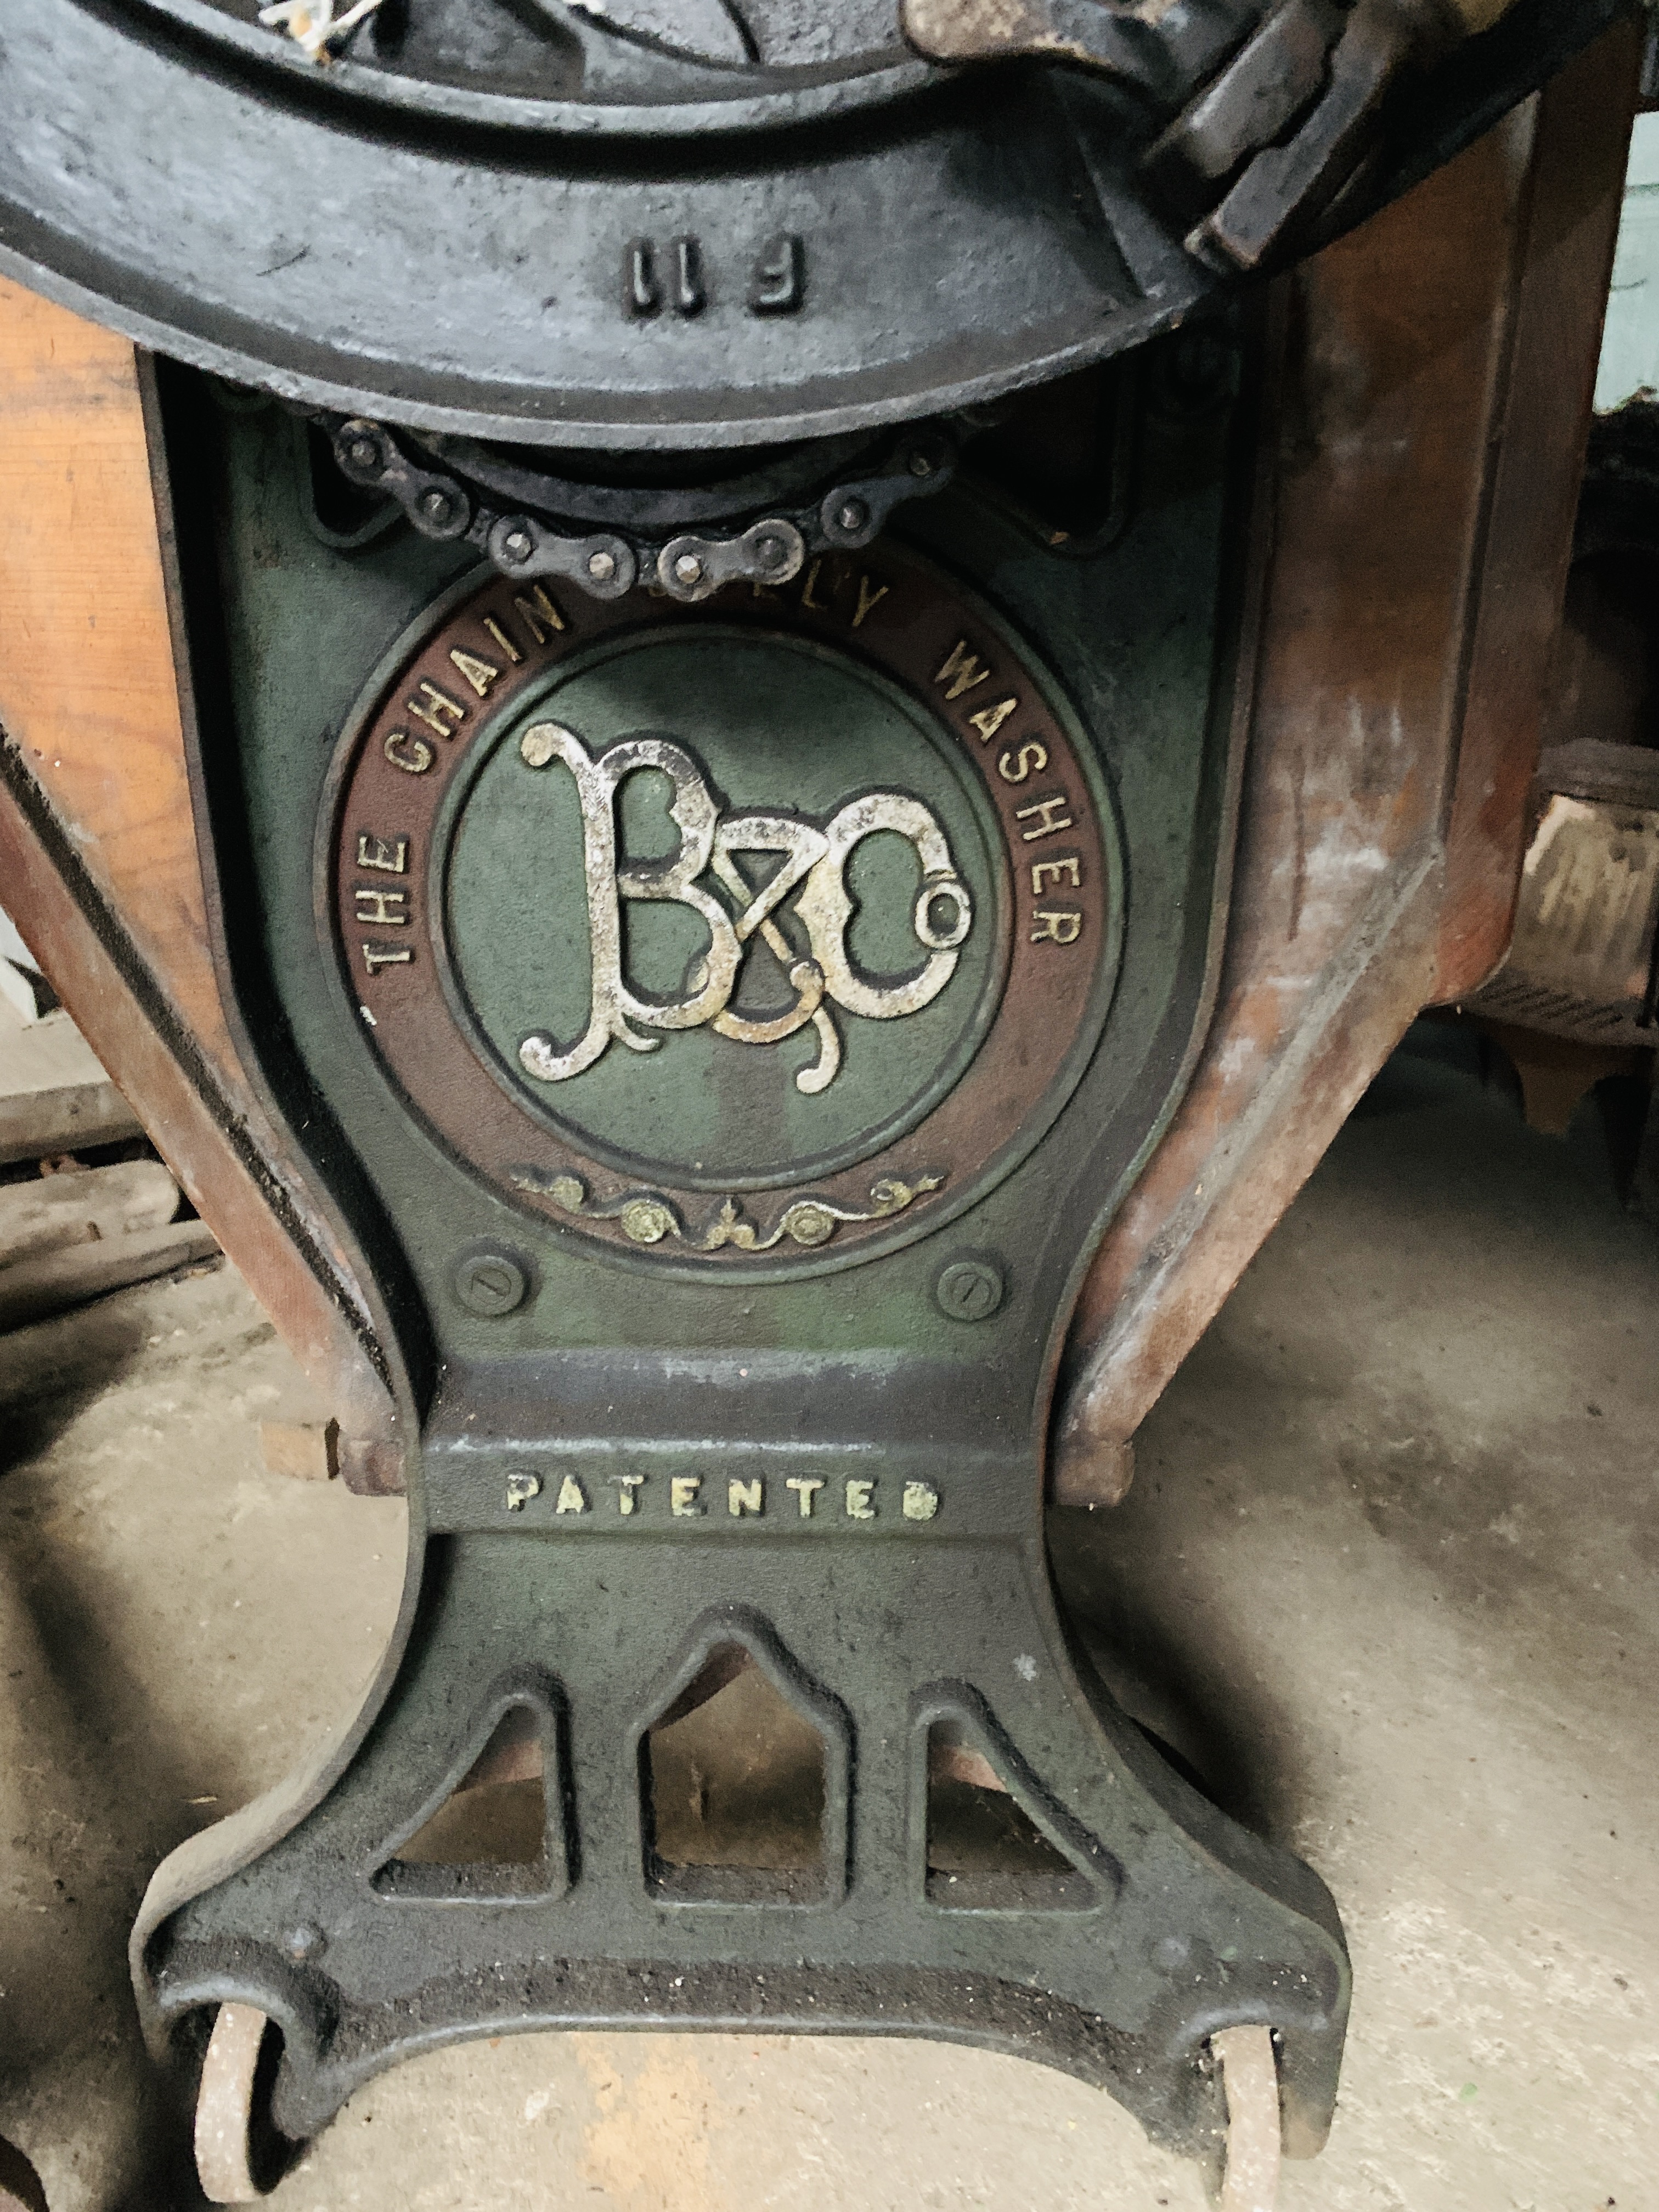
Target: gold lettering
381 909
502 640
419 757
867 598
807 1488
682 1496
376 956
859 1507
806 599
920 1501
1014 768
572 1499
1058 927
990 719
433 705
391 854
1046 810
480 674
962 671
743 1498
1066 870
521 1489
535 610
626 1485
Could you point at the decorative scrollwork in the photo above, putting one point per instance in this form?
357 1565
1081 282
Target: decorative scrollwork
647 1218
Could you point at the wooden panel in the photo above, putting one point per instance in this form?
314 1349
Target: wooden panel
87 689
229 1189
1403 562
1578 192
98 836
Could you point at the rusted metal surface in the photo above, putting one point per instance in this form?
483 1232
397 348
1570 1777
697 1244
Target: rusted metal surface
97 850
1426 368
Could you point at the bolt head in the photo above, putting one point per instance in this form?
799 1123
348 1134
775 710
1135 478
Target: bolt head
517 545
852 515
768 552
920 464
491 1283
970 1288
687 569
364 453
437 506
601 566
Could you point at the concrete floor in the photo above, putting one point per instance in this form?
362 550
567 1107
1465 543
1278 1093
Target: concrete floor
1387 1578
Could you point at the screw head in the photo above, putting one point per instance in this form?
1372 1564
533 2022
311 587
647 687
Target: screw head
437 507
364 453
601 566
768 552
491 1283
518 545
919 463
687 569
969 1290
852 515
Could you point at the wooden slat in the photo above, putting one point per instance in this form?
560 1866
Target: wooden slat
87 689
1578 176
1410 582
54 1094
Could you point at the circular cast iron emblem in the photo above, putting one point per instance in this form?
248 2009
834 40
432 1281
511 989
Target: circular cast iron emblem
777 924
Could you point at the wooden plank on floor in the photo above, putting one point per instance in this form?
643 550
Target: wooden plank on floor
54 1096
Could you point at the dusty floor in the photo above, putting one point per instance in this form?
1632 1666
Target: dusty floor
1388 1577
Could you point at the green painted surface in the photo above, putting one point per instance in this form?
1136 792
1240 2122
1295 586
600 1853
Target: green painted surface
1131 632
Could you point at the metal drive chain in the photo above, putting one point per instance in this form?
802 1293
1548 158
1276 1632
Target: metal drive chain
689 565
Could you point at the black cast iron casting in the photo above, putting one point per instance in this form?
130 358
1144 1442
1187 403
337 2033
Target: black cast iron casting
639 229
727 1297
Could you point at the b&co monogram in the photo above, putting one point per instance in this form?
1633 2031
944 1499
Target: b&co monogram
812 874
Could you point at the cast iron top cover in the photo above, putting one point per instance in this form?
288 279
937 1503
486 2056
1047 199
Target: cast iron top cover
671 224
